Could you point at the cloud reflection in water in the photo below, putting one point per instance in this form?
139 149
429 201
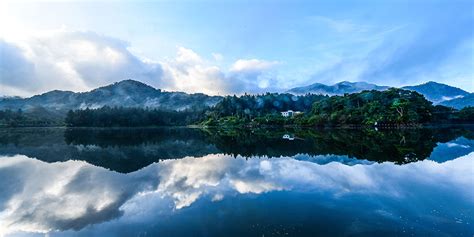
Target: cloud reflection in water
43 197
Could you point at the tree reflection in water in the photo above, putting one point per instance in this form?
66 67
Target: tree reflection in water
126 150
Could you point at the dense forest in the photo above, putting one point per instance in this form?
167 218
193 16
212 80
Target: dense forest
258 109
370 107
390 107
131 117
251 106
393 107
34 118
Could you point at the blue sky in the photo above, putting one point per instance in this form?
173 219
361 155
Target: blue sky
226 47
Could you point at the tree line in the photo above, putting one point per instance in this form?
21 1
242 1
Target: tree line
131 117
392 107
371 107
35 118
389 107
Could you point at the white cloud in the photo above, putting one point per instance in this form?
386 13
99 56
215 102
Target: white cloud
191 73
252 65
187 56
80 61
70 61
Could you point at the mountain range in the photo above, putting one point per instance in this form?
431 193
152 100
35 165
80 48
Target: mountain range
130 93
340 88
460 103
127 93
435 92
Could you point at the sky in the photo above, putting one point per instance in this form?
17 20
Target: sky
233 47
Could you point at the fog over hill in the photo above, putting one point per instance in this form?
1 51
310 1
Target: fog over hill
337 89
127 93
461 102
131 93
437 92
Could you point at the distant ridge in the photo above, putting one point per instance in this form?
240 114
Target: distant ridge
126 93
336 89
459 103
437 93
131 93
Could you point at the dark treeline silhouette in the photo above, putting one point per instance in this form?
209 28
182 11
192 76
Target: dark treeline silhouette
395 145
36 117
125 137
131 117
120 149
129 149
442 114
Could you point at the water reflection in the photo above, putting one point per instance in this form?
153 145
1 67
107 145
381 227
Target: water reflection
128 150
248 183
245 197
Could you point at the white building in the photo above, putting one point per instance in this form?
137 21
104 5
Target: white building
288 137
289 113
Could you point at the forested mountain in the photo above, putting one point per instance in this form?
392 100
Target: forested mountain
385 108
437 92
392 107
127 93
340 88
459 103
132 103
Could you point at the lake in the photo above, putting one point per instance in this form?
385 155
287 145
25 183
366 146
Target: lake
197 182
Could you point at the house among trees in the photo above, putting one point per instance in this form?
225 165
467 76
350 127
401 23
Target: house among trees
288 137
290 113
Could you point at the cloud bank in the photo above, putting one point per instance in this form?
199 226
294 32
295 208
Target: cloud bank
431 47
80 61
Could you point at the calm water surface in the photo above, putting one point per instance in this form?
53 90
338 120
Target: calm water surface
191 182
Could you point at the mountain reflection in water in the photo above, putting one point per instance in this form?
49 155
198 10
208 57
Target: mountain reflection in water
189 182
128 150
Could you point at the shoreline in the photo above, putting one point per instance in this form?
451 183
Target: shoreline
195 126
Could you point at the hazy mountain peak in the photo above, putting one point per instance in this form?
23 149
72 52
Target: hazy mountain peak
130 82
55 92
460 102
438 92
433 91
128 85
434 83
348 83
126 93
339 88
